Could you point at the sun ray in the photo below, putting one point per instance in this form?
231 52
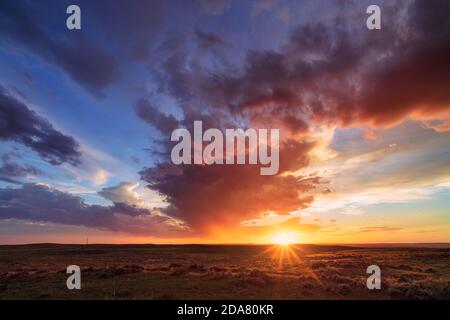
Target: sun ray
285 255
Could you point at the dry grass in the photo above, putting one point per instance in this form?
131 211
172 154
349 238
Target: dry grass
222 272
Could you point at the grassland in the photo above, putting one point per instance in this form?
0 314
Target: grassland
222 272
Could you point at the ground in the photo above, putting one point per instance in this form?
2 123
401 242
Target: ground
222 272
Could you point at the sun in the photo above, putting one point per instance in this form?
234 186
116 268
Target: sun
285 238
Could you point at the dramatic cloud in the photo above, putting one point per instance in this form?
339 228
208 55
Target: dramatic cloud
326 73
321 75
212 196
206 197
20 124
332 73
40 203
415 81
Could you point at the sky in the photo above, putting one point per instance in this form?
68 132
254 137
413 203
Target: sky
87 115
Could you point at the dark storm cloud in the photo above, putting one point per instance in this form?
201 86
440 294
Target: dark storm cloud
223 195
87 64
39 203
20 124
206 197
333 73
325 73
416 80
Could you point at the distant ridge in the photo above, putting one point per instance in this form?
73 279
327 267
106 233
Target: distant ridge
393 245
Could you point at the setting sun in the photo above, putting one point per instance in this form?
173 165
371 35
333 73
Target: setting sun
285 238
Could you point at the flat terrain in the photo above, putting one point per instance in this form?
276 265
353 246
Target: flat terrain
222 272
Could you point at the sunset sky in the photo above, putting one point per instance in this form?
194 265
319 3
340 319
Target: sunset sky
86 118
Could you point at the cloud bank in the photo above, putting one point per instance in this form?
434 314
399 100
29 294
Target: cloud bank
20 124
38 202
325 74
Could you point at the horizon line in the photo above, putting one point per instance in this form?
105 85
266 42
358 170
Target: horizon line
370 244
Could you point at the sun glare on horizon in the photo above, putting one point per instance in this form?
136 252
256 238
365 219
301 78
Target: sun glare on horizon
285 238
